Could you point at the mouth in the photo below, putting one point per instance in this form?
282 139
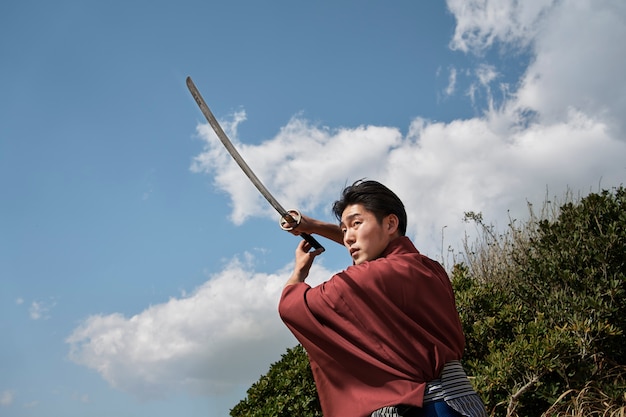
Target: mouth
353 252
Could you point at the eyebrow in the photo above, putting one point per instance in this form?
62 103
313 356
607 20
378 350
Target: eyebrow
350 217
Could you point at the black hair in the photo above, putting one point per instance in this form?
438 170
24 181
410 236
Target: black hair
374 197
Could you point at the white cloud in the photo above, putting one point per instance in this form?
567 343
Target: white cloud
35 310
224 334
7 398
451 82
32 404
481 23
484 75
82 398
39 310
576 60
579 63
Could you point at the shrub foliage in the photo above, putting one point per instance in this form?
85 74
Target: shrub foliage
287 390
545 328
543 308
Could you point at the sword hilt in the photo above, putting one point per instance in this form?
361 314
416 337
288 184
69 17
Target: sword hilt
312 241
294 216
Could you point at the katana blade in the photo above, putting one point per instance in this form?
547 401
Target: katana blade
242 163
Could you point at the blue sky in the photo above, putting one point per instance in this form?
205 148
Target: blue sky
139 269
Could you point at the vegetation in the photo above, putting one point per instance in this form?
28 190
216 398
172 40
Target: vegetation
287 390
543 308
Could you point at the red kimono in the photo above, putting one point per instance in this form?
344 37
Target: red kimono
377 332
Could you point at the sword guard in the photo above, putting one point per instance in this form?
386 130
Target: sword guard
292 216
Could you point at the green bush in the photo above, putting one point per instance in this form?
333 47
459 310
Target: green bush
551 324
287 390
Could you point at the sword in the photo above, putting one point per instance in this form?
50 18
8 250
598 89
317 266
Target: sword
286 216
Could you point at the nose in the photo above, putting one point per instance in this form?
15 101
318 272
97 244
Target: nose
348 238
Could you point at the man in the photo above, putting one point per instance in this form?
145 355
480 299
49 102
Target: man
383 336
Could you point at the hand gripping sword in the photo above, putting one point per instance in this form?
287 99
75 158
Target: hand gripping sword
286 216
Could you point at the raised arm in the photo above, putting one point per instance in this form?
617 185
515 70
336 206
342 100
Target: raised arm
310 225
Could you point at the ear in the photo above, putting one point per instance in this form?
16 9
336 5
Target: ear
391 224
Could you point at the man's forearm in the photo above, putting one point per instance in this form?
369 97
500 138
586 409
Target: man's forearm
294 279
328 230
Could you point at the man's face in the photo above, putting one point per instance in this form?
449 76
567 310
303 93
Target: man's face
365 238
